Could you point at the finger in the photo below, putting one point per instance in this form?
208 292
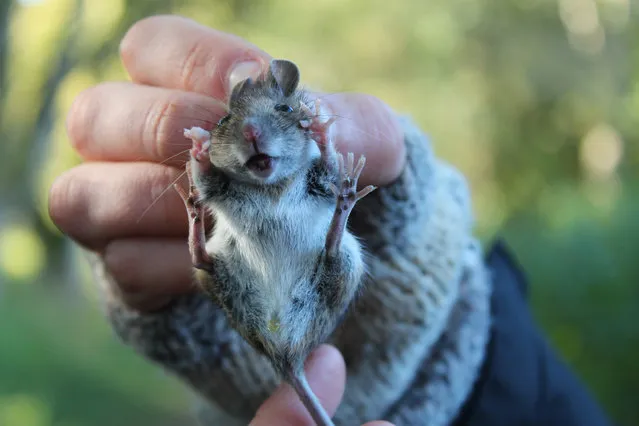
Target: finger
95 203
326 374
149 272
129 122
176 52
367 126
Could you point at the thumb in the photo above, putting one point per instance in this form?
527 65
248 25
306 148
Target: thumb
326 374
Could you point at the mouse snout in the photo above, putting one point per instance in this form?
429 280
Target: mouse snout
251 132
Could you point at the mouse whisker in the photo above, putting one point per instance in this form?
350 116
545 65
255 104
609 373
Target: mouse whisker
326 95
211 121
165 161
174 156
161 195
358 128
310 102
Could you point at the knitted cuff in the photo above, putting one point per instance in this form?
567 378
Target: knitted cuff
417 232
447 375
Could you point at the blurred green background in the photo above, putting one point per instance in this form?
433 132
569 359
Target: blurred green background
535 101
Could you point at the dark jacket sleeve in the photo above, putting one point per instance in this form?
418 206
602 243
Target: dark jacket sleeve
524 381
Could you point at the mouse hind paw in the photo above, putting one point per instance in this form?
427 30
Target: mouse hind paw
348 178
197 237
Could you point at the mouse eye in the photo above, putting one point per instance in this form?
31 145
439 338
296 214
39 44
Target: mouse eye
224 119
283 108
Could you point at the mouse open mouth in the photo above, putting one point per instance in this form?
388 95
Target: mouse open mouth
261 165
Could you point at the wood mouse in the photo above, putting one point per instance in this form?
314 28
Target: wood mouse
279 261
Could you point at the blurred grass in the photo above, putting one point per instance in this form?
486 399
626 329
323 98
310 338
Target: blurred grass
535 101
583 289
60 357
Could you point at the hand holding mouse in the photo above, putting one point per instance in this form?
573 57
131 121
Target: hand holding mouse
130 135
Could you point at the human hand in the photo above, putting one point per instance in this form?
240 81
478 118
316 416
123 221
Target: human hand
130 137
326 374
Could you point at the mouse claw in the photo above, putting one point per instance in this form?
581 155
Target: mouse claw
319 129
305 109
328 122
318 112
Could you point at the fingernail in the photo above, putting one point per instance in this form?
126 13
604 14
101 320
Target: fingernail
241 71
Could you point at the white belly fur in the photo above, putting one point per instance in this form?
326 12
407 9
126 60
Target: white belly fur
281 264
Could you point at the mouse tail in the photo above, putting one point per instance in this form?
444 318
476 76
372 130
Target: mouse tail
308 398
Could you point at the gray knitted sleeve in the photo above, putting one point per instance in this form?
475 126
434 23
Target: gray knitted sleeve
417 235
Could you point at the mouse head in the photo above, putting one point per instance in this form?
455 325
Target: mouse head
261 140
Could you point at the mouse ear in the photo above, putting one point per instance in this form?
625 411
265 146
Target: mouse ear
238 89
284 75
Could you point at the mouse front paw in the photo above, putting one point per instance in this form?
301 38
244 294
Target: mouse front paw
201 143
318 128
197 238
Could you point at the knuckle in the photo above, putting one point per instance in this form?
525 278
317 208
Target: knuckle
195 59
160 126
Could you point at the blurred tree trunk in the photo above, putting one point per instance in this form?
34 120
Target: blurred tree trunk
22 158
5 12
58 262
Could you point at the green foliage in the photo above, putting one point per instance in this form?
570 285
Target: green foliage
61 365
534 100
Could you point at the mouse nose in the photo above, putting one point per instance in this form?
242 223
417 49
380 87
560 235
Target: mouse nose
251 132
